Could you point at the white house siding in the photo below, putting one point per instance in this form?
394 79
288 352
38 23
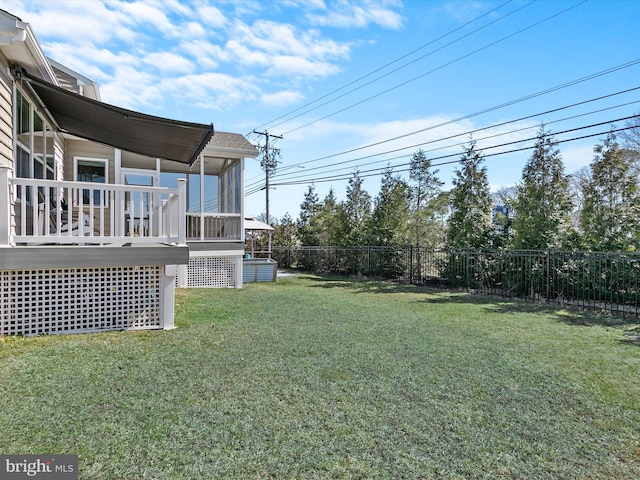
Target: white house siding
86 149
6 116
6 126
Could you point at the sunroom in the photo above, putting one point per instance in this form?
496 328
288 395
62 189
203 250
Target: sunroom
103 211
68 190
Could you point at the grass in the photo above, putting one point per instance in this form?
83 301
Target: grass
317 377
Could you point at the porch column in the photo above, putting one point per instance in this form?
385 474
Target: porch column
183 272
182 211
201 160
167 301
119 196
239 271
5 207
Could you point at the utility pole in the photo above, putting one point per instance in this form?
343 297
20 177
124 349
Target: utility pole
269 164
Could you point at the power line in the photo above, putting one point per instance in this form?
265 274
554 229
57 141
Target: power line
477 140
438 68
378 171
470 132
383 66
490 109
406 64
486 110
345 176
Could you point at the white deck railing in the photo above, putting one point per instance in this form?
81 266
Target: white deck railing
214 226
35 211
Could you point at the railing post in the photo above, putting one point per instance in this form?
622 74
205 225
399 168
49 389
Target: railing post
164 220
182 211
5 207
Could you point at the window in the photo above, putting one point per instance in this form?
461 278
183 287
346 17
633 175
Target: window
92 170
231 194
34 156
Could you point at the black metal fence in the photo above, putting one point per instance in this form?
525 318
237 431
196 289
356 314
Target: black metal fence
592 280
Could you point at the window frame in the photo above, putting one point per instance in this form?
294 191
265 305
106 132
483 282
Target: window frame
27 152
77 161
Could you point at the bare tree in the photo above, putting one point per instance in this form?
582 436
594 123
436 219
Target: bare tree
578 181
631 137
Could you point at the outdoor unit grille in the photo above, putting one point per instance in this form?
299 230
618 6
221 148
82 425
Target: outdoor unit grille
78 300
212 272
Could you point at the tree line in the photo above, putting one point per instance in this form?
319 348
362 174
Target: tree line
596 208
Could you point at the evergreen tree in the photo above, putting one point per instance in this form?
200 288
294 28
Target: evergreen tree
470 224
285 235
391 212
307 222
354 214
285 232
328 220
543 202
611 205
426 211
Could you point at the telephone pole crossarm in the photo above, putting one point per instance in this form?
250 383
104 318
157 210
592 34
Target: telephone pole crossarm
269 166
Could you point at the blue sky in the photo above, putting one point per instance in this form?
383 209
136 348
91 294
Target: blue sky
351 76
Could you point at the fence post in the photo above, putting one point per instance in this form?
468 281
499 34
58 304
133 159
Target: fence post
411 265
466 267
548 274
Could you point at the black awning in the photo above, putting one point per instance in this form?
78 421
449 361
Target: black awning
125 129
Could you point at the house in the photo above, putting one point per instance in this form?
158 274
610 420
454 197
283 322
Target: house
105 211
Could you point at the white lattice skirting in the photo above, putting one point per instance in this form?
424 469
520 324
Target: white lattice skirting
211 272
79 300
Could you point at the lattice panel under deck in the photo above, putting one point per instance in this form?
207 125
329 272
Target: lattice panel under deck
76 300
213 272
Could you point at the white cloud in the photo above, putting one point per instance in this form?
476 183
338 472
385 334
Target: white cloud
279 38
430 132
77 22
234 51
194 30
205 54
575 158
211 16
145 14
169 63
178 6
300 67
138 51
349 14
463 11
210 90
280 99
131 88
283 50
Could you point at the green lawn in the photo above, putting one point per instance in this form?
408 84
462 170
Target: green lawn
330 378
